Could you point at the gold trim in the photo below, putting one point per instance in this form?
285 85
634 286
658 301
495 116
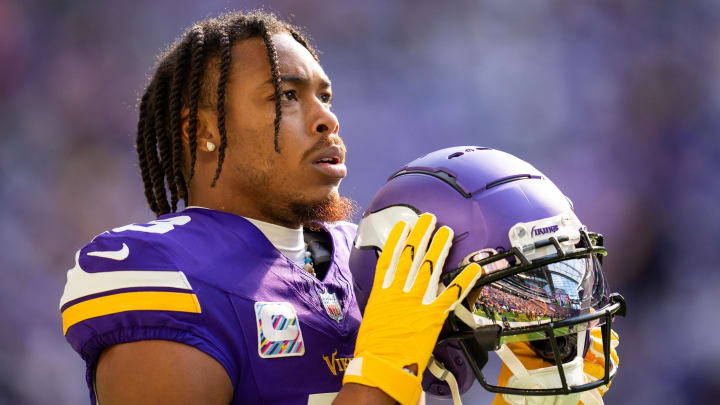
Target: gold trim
130 301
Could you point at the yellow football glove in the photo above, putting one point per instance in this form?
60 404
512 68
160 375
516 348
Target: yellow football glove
404 314
593 366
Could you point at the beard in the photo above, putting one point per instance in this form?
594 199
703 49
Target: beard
313 214
290 208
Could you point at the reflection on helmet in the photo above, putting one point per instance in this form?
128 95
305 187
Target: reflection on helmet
542 295
543 268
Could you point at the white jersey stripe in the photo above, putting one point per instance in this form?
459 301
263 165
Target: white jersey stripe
81 283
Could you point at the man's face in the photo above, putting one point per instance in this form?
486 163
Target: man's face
310 165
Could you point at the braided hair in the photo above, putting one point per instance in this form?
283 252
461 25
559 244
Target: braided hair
193 73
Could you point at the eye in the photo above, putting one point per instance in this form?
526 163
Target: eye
288 95
326 98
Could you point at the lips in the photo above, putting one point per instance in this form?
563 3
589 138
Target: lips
331 162
331 155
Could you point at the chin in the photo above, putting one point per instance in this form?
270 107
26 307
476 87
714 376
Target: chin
323 207
321 193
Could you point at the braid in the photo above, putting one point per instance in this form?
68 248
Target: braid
142 156
181 83
178 82
157 175
163 141
195 77
224 67
273 58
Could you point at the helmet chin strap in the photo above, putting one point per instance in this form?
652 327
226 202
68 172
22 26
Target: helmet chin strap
438 370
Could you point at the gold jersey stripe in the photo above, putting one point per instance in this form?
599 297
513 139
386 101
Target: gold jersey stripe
130 301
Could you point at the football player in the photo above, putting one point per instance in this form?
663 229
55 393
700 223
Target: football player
245 296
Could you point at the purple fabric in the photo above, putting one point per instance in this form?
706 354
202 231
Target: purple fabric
145 254
230 266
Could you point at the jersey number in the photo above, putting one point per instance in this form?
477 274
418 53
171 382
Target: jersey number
157 226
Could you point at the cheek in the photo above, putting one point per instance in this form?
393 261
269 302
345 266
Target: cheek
248 111
294 138
248 120
247 130
251 138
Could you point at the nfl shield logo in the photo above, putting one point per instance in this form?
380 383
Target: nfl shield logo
332 307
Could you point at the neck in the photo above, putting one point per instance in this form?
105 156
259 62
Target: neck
217 200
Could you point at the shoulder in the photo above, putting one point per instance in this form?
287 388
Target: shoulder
128 257
171 242
124 280
129 284
143 246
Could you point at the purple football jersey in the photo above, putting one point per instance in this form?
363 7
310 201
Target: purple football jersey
213 281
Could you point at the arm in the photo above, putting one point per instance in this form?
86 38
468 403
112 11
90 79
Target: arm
160 372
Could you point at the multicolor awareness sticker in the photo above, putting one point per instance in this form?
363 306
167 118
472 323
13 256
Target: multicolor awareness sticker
278 330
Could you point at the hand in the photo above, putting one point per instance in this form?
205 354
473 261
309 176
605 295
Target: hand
404 313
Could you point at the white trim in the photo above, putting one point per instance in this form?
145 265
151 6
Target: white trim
354 367
325 398
81 283
375 228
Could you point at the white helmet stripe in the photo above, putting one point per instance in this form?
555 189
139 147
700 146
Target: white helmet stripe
375 228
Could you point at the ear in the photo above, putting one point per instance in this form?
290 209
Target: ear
207 128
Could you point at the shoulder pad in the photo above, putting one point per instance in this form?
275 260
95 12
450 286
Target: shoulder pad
128 268
132 247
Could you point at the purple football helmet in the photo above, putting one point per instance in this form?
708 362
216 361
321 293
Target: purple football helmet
544 281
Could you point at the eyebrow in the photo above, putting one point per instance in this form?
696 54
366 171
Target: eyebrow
299 80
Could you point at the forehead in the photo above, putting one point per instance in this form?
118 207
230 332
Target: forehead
250 60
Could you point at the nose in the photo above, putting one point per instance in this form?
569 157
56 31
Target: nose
324 122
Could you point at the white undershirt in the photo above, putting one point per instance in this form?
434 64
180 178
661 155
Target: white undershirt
288 241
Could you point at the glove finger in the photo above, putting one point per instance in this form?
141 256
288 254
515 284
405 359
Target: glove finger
428 276
414 250
385 268
459 287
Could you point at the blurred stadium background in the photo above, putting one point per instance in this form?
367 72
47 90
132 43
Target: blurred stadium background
616 101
